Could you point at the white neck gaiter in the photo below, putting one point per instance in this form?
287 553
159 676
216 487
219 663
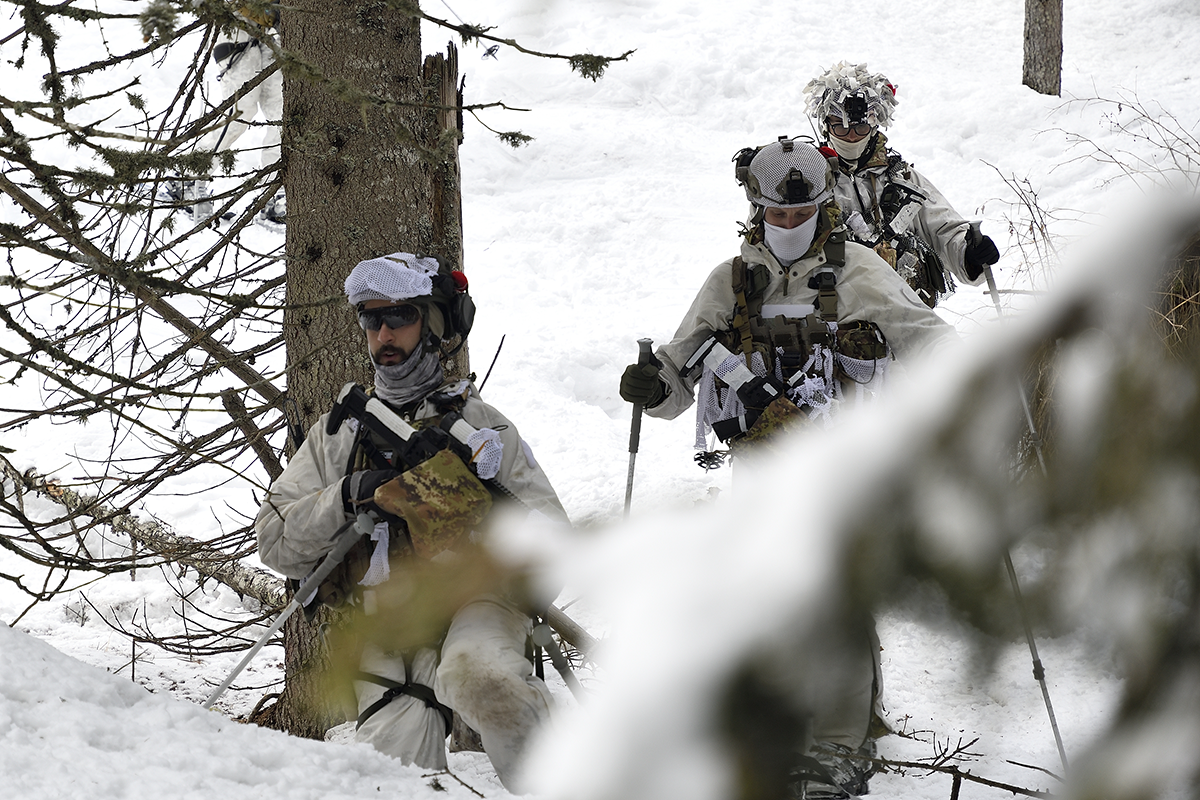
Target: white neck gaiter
788 244
850 151
411 379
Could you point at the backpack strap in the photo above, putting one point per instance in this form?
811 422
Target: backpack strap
395 689
749 285
825 281
741 313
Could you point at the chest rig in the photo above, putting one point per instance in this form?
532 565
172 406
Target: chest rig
784 343
892 206
812 356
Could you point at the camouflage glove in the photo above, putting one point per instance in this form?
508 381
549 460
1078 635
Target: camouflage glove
641 385
980 252
358 491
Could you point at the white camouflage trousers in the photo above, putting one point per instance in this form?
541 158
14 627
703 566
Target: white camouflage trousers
482 674
266 98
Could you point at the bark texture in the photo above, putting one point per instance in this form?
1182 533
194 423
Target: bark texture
1042 69
370 167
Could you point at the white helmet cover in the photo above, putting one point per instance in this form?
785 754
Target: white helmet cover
394 277
874 97
786 174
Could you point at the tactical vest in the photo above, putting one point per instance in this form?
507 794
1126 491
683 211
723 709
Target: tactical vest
371 452
787 345
892 209
788 341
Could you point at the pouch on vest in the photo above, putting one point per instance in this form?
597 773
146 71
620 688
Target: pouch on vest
780 417
862 352
440 500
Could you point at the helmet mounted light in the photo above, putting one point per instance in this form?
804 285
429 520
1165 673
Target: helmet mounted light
856 109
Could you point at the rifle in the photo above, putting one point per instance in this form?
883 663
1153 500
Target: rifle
756 392
412 447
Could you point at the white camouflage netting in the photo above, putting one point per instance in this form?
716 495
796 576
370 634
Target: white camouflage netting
828 91
380 569
713 405
486 452
394 277
772 164
816 386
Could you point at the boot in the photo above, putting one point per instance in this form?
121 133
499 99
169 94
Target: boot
193 197
276 209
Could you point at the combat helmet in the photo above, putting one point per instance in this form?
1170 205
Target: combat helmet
426 281
786 173
852 93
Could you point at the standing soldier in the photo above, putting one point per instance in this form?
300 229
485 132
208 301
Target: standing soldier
799 324
886 204
240 56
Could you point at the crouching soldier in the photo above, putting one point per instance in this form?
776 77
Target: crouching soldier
799 325
426 514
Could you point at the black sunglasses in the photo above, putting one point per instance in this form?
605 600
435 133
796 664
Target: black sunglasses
839 130
395 317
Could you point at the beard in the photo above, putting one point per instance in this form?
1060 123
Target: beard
388 351
410 378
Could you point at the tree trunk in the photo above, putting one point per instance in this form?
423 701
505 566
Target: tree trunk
367 172
445 94
1042 69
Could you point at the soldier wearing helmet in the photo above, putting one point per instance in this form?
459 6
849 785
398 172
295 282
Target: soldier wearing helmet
796 274
886 204
409 307
821 318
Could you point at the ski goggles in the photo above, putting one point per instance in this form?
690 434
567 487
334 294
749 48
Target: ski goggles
839 130
395 317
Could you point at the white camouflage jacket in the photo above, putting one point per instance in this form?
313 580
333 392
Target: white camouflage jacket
937 223
304 505
867 289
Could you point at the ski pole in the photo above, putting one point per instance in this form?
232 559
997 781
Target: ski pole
1039 672
635 425
362 526
1037 442
542 637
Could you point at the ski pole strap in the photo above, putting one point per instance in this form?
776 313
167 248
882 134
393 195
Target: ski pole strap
395 689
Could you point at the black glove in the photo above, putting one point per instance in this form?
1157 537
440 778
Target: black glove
640 384
358 490
980 252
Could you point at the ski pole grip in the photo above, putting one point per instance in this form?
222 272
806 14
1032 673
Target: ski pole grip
644 354
635 427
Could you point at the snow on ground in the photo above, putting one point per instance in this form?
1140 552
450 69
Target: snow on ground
595 234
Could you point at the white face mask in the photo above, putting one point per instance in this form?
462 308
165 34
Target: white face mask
788 244
850 151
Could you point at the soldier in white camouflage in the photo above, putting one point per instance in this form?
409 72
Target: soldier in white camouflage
886 204
434 513
814 321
